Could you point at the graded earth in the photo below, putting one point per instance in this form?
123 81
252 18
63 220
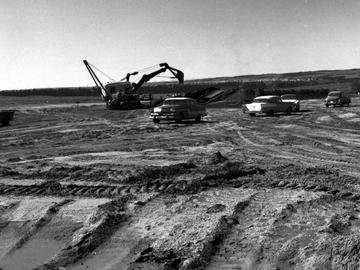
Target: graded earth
83 187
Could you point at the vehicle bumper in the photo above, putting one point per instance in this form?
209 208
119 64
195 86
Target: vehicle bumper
168 116
246 110
333 103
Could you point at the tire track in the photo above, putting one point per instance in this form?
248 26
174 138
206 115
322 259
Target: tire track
273 227
43 221
305 156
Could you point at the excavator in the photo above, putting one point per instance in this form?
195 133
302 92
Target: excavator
121 95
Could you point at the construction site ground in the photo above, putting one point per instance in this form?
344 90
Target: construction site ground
82 187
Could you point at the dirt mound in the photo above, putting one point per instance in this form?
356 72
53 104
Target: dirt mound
216 208
168 259
318 176
231 170
217 158
148 174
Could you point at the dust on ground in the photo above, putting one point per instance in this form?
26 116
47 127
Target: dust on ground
82 187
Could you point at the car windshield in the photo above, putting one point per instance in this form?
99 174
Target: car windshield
334 94
288 97
145 97
174 102
261 100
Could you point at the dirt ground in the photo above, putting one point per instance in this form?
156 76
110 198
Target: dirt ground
82 187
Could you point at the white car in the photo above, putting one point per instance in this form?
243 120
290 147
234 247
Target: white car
294 99
268 105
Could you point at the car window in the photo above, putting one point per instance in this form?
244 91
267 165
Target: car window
288 97
174 102
262 100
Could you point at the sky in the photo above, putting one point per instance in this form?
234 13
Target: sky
43 42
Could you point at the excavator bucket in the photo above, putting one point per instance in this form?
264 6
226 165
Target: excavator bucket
180 76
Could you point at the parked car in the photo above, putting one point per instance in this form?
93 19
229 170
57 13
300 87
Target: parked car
268 105
292 98
337 98
178 109
6 116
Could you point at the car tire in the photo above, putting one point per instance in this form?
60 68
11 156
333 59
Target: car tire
198 118
5 122
288 111
327 105
179 118
270 113
156 121
252 114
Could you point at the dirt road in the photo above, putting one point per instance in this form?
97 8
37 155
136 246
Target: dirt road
82 187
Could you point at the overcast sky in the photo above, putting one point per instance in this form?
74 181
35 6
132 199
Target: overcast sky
43 42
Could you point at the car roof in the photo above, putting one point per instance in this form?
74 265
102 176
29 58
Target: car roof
334 92
266 97
179 98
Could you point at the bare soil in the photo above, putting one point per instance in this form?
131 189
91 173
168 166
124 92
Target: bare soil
82 187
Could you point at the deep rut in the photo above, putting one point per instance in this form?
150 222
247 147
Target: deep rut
279 229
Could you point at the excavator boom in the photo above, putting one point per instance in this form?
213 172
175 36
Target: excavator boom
179 75
98 83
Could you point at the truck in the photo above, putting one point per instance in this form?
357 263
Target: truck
6 116
337 98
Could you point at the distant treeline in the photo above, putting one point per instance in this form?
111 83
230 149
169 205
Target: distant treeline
301 94
93 91
186 87
63 91
250 89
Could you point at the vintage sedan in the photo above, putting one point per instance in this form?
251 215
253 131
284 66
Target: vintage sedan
337 98
292 98
268 105
178 109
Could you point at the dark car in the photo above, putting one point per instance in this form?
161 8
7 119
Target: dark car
337 98
178 109
6 116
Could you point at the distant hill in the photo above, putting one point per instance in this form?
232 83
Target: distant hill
306 83
303 75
